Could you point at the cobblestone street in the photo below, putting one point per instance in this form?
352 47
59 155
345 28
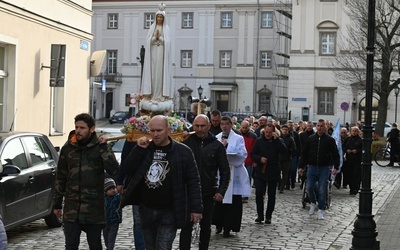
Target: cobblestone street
291 228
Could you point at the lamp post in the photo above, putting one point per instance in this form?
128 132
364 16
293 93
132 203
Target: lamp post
200 92
396 93
364 232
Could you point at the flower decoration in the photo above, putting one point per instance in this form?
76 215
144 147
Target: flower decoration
141 124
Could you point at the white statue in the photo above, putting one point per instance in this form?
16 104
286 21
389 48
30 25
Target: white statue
157 87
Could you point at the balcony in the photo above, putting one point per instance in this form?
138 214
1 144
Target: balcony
117 77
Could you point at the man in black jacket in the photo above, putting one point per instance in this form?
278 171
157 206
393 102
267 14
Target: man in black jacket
319 152
352 146
210 155
266 153
166 183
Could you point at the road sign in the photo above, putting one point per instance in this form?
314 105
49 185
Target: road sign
344 106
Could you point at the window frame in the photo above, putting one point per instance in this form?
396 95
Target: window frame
230 20
221 59
187 20
326 104
188 59
112 23
112 58
322 51
263 19
269 54
149 21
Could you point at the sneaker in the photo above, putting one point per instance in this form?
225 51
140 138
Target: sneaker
259 220
312 209
321 214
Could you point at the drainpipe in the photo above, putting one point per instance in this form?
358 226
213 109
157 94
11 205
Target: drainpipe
257 55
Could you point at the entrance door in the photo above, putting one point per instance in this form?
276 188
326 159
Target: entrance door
109 104
223 101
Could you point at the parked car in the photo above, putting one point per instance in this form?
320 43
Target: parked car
387 128
119 116
27 178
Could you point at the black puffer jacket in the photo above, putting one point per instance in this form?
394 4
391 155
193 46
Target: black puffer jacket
210 155
271 149
184 176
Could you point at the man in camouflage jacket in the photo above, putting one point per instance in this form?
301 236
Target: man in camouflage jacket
80 181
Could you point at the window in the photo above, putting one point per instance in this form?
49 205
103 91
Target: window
265 59
3 76
148 20
328 43
113 21
14 154
37 149
187 20
112 62
266 19
186 59
225 59
226 20
325 101
264 102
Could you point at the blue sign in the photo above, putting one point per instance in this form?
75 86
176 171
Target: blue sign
103 86
298 99
344 106
84 45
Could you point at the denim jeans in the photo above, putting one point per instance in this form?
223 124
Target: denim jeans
110 235
137 229
205 226
318 175
261 187
158 227
72 232
249 169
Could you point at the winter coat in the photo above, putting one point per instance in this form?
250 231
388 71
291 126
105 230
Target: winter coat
80 179
210 155
3 235
271 149
185 179
113 213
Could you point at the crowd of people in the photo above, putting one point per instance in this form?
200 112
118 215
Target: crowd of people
205 179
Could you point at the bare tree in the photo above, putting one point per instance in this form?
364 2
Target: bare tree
351 61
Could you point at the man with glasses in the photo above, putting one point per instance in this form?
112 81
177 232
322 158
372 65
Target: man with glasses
262 121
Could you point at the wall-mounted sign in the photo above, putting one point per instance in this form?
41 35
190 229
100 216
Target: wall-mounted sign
84 45
299 99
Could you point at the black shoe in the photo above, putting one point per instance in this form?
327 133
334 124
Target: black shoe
287 188
345 186
337 185
219 229
281 191
353 192
389 165
293 185
227 234
267 220
259 220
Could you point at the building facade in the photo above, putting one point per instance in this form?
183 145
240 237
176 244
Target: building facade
229 48
320 29
44 65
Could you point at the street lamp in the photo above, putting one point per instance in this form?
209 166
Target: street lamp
364 232
396 93
200 91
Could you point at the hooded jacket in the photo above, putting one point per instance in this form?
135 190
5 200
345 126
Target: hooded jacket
80 179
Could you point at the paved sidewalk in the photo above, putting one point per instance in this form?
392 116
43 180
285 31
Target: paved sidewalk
388 222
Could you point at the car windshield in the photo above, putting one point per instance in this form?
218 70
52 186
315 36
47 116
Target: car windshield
120 114
117 147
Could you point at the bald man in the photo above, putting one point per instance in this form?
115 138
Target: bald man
166 184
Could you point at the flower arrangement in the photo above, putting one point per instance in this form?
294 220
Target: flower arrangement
141 124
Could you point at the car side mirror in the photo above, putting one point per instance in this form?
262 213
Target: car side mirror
10 170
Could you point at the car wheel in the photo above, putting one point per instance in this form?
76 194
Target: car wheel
52 220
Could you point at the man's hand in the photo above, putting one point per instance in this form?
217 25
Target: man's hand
102 139
334 171
264 160
120 189
195 217
301 171
143 142
218 197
